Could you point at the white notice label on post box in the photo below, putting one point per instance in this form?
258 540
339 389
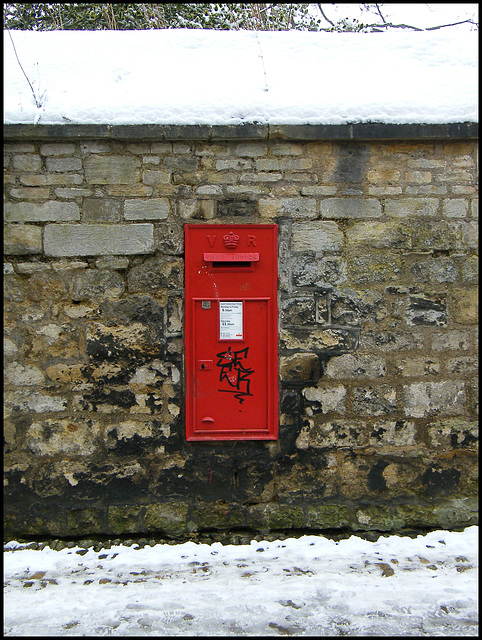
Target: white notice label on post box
230 320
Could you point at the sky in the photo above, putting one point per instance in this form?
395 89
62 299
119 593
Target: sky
182 76
314 586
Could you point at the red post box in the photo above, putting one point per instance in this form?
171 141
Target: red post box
231 332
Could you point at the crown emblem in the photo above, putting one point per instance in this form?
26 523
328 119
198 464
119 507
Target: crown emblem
231 240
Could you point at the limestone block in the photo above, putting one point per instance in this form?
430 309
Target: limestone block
327 516
397 433
101 210
350 208
297 208
181 164
370 267
168 518
410 207
436 270
301 367
32 401
146 209
68 436
379 234
325 341
152 178
250 150
312 272
22 240
421 399
60 165
455 207
298 311
50 211
426 310
316 236
156 274
110 344
112 169
465 306
23 375
454 433
457 340
28 162
98 239
352 366
374 401
326 400
57 149
97 284
335 434
275 516
418 367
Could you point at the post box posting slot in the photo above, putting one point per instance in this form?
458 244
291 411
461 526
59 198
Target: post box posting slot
231 337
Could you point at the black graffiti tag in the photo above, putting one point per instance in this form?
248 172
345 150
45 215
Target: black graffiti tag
234 373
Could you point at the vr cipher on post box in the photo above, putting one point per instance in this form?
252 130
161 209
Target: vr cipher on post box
231 332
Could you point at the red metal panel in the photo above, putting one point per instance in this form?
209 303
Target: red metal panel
231 332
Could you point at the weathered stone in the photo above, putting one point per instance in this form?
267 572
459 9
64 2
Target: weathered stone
325 400
35 402
454 433
23 375
370 267
296 208
50 211
155 275
21 240
111 170
97 284
374 401
60 165
28 162
325 341
429 398
146 209
111 343
57 149
73 437
379 234
301 367
397 433
168 518
101 210
322 273
316 236
350 208
426 310
409 207
275 516
327 516
437 270
355 366
98 239
465 306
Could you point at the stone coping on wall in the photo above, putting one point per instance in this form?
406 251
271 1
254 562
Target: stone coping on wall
307 132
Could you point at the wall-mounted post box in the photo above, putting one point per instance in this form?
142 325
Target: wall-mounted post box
231 332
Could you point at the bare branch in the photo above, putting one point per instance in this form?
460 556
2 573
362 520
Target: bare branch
38 101
323 14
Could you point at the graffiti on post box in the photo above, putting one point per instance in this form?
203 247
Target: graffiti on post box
235 373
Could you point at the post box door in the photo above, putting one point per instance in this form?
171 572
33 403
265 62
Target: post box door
231 333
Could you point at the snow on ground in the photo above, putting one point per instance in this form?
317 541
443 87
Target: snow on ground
195 76
423 586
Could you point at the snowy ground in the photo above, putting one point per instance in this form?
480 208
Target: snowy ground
306 586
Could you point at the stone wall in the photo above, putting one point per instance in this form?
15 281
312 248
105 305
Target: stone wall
377 335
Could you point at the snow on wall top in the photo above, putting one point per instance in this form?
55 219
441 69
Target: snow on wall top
195 76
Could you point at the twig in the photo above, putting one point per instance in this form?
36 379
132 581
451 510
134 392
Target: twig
38 101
